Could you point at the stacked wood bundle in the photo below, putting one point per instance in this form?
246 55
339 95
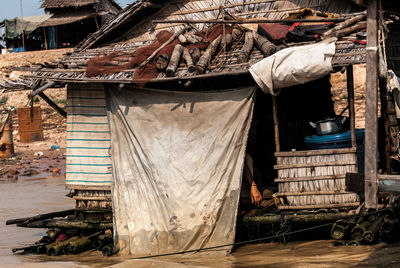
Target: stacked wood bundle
381 226
347 27
67 236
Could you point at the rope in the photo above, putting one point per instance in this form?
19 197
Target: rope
277 235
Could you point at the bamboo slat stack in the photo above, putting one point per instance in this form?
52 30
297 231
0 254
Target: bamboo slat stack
315 179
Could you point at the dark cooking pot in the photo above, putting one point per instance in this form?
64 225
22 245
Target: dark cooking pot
329 126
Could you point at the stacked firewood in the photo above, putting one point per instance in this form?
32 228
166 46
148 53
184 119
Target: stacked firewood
66 234
197 60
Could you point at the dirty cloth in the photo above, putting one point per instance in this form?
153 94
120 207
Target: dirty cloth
16 26
294 66
177 165
393 85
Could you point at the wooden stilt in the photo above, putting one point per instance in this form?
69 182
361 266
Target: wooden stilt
350 98
52 104
371 117
276 123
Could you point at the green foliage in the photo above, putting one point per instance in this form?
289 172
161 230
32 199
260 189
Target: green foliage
3 100
60 101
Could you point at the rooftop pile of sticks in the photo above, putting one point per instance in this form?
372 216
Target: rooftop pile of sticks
229 41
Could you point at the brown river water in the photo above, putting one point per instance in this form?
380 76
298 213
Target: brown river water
35 195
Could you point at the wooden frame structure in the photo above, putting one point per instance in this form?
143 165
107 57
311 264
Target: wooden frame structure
316 178
371 117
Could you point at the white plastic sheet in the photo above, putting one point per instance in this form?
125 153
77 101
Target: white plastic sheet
177 162
294 66
393 85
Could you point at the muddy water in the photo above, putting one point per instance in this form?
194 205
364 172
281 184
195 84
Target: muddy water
31 196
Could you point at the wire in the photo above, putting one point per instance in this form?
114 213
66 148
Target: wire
278 235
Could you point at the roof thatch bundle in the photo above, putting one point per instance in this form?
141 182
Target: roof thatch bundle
67 3
55 4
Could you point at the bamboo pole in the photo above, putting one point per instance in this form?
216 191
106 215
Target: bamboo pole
27 220
342 25
63 224
214 21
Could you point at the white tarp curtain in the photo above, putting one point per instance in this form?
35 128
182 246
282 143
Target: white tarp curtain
393 85
294 66
177 163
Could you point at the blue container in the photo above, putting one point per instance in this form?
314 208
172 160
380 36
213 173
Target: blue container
339 140
18 49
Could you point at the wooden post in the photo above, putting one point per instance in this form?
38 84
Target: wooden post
350 98
45 38
276 123
97 23
371 117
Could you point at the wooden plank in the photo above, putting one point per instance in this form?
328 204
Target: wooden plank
388 177
330 177
356 204
88 187
319 164
94 198
371 117
316 152
313 193
389 185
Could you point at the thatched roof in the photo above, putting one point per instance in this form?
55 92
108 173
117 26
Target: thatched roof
50 4
67 18
67 3
135 27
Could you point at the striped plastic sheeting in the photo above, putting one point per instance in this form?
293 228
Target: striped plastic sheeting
88 139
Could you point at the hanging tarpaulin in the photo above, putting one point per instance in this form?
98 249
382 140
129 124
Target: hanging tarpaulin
177 163
17 26
294 66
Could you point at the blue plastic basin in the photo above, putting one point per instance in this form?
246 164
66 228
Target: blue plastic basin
339 140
